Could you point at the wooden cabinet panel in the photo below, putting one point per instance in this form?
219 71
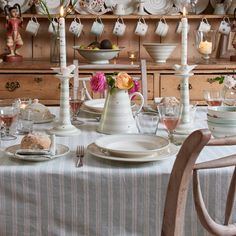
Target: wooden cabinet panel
41 86
169 85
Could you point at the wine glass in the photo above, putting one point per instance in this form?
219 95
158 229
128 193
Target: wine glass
76 100
213 97
205 44
8 115
170 115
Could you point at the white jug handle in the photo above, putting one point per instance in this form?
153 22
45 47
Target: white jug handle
142 100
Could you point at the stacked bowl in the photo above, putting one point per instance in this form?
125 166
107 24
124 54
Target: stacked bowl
221 121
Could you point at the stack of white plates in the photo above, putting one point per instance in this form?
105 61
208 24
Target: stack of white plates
221 121
132 148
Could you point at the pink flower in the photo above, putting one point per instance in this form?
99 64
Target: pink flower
135 88
98 82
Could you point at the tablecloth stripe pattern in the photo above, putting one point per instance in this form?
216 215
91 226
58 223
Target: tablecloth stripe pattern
102 198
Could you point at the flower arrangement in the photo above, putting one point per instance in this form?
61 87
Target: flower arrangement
101 81
229 81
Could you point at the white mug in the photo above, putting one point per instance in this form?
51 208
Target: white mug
53 27
119 27
76 27
97 27
32 26
141 27
225 26
179 27
204 26
119 9
162 28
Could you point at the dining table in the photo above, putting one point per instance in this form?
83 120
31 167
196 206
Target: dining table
103 197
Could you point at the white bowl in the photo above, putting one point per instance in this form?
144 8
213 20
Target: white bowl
160 52
101 56
220 120
221 130
225 112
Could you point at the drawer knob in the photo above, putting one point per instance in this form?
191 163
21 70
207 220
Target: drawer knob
189 86
12 86
38 79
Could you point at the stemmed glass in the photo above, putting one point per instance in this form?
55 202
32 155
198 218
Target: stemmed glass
76 100
8 115
170 115
213 97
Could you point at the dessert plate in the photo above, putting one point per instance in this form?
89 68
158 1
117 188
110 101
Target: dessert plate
200 6
61 150
129 5
158 6
132 145
24 4
161 155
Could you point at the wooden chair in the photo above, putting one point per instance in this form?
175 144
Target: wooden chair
184 168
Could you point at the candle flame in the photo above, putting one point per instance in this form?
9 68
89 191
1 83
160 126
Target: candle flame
184 11
61 11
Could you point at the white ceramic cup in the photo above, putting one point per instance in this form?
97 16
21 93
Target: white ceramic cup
97 27
225 26
141 27
32 26
204 25
119 27
179 27
76 27
53 26
162 28
119 9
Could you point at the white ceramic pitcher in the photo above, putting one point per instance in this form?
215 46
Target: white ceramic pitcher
117 116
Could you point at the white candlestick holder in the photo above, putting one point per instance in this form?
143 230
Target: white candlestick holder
64 127
186 125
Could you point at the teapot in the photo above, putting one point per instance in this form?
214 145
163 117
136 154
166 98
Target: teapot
119 9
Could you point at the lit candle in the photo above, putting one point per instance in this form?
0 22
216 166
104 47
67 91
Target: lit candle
205 47
184 49
132 56
62 35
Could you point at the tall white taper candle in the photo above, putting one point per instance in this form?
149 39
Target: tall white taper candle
62 35
184 48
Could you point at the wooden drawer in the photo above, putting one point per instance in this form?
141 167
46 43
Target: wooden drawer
41 86
170 86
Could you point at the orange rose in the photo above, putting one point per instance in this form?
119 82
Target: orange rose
123 81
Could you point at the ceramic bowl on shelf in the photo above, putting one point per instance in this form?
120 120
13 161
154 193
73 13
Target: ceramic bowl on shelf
100 56
159 52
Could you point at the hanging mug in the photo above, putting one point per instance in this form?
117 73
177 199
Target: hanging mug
162 27
32 26
119 27
54 26
204 25
225 26
97 27
141 27
76 27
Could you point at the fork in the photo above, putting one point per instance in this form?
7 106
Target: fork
80 155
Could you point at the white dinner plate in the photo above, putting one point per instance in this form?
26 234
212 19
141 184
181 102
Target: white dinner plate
61 150
89 111
132 145
129 5
53 6
94 6
24 4
161 155
158 7
200 6
49 119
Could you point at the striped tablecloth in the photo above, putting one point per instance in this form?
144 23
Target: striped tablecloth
101 198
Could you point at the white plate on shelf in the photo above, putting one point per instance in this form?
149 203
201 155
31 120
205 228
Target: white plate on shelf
132 145
24 4
200 6
129 5
53 6
161 155
61 150
158 7
95 6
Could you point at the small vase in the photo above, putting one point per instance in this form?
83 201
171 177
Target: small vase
229 96
55 49
117 116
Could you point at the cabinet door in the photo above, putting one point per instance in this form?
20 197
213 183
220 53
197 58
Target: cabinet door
170 86
41 86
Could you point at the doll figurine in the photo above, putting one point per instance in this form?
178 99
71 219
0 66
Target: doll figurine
13 25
